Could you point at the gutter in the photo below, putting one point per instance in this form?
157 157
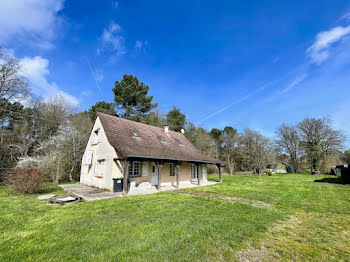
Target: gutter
176 159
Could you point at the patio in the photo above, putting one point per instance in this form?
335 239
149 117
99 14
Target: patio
89 193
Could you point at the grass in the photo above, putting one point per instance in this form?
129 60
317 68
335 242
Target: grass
304 220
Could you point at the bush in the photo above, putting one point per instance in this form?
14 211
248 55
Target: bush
27 179
268 172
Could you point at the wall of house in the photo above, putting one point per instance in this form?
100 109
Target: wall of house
101 151
185 173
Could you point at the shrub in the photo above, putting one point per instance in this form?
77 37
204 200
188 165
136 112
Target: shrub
27 179
268 172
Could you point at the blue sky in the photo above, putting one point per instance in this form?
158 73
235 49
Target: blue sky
245 64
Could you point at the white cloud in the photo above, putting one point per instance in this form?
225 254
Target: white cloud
345 16
141 46
36 71
33 22
319 51
112 40
294 83
138 44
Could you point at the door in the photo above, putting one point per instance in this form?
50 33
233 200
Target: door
194 174
154 180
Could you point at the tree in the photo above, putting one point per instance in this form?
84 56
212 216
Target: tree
318 139
131 98
155 118
12 84
288 142
204 141
103 107
216 134
175 119
346 157
257 151
229 149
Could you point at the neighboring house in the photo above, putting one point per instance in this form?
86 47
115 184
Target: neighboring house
143 154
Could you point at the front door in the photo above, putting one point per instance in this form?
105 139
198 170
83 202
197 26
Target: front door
194 174
154 180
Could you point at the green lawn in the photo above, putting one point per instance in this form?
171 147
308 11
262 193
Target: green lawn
282 217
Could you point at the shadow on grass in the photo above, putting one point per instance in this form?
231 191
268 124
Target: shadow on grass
331 180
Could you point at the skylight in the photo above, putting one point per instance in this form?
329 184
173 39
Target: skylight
179 141
134 133
162 138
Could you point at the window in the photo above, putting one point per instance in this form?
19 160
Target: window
134 168
99 168
171 169
134 133
194 173
98 135
162 138
179 141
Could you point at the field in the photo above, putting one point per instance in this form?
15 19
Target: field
277 218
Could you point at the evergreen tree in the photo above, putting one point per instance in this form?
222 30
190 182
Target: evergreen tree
176 119
103 107
130 96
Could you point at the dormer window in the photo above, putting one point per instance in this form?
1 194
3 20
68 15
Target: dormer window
134 133
162 138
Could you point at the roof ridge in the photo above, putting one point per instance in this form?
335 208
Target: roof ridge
124 119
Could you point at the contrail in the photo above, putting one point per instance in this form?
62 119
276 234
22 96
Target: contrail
93 74
271 83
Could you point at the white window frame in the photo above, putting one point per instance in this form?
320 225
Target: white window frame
171 169
194 173
132 168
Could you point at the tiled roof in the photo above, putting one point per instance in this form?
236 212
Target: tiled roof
148 143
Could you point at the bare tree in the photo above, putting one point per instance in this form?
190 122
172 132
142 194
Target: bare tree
12 84
257 151
288 142
318 139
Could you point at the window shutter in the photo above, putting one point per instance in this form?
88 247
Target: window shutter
88 158
98 136
96 169
92 138
145 168
102 168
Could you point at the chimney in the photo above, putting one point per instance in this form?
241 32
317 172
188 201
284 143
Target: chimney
166 129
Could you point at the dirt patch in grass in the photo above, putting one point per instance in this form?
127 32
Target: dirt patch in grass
254 203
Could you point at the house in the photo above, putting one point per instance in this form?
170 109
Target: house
143 154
